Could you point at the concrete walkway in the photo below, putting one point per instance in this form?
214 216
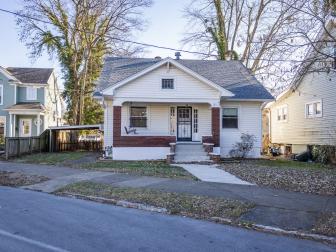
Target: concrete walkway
210 173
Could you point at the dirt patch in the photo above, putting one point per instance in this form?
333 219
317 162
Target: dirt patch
326 224
16 179
285 175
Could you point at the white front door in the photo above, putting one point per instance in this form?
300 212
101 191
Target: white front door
25 127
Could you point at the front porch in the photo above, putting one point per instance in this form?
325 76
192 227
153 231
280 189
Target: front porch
147 130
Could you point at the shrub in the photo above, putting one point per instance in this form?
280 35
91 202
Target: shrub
323 153
242 148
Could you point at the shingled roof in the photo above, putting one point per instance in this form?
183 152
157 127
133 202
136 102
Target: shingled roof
231 75
31 75
27 106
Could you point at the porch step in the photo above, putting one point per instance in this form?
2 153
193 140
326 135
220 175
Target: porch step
190 152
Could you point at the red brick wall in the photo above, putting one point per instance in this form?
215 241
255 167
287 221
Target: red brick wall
215 118
134 140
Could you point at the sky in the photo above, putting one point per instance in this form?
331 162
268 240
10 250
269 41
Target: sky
165 27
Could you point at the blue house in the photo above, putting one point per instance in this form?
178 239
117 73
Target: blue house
30 101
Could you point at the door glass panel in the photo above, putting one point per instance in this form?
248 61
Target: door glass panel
184 124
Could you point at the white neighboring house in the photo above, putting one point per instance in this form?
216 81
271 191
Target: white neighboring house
305 113
151 103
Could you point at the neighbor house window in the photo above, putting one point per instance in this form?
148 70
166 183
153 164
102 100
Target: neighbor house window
31 93
314 109
230 118
138 117
167 83
282 113
1 93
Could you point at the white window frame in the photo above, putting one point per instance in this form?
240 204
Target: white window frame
238 114
314 115
130 115
1 93
30 96
21 133
281 110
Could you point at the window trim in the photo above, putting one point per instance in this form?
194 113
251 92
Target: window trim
27 94
281 116
238 117
1 93
130 116
314 115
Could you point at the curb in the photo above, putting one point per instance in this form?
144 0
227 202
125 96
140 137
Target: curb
122 203
258 227
276 230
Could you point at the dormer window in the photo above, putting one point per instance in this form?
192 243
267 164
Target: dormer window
167 84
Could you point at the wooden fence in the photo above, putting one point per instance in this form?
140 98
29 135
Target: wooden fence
17 146
94 146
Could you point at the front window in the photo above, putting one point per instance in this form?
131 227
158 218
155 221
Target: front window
31 93
314 109
138 117
230 118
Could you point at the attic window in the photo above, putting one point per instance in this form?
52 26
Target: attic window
167 84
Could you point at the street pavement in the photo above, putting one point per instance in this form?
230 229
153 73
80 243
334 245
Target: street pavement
34 221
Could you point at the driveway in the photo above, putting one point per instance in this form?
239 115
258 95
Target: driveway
33 221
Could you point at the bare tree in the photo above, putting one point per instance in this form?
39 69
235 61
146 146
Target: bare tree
260 33
79 33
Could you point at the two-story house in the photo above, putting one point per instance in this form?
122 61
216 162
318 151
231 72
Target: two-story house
305 113
30 101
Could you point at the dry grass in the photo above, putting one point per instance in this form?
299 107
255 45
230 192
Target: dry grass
15 179
326 224
180 204
286 175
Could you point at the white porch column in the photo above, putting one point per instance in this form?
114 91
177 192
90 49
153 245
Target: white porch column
38 124
10 125
14 126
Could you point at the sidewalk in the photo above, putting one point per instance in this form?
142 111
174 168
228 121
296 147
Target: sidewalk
210 173
289 210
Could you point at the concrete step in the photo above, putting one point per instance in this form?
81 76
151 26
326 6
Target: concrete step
191 153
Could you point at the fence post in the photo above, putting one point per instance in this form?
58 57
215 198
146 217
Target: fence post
7 148
30 146
18 147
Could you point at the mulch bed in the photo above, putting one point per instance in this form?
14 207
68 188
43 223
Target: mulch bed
300 179
16 179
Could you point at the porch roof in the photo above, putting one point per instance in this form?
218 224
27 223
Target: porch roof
26 106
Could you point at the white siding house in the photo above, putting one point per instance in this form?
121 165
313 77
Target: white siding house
150 104
305 114
311 113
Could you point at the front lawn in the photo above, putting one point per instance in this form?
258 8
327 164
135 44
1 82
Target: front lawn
16 179
56 158
287 175
88 160
144 168
180 204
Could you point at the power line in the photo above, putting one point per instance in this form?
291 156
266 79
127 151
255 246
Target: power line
148 44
